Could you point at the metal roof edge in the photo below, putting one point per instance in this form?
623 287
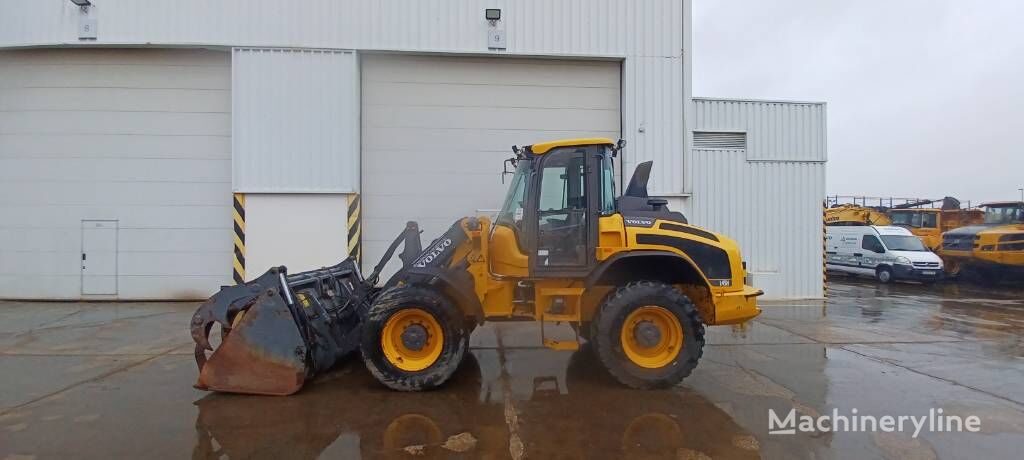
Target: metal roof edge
757 101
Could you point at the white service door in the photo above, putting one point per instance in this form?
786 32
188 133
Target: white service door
99 257
435 131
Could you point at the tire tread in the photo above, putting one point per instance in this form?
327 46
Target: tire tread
605 339
382 309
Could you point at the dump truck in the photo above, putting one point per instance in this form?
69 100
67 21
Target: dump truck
630 276
992 250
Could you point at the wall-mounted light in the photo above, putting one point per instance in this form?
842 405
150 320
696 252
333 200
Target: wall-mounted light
83 4
495 33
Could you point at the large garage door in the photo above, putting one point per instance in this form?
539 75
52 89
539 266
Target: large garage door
121 158
436 130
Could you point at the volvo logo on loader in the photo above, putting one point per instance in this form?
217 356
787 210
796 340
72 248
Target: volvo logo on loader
638 222
433 253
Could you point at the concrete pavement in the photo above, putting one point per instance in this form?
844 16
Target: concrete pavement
102 380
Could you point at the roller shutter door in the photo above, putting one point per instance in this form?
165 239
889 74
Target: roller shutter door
123 155
435 131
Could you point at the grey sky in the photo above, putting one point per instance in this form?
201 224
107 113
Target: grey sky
925 97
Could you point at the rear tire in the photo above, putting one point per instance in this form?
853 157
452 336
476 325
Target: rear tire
883 275
420 370
648 365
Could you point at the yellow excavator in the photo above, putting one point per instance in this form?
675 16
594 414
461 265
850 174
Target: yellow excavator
630 276
992 250
852 214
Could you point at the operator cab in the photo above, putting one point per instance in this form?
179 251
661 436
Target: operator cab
559 192
1004 212
553 203
915 218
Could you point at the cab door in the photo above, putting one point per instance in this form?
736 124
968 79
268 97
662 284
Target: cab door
562 213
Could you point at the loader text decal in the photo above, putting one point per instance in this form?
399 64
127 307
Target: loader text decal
433 253
638 222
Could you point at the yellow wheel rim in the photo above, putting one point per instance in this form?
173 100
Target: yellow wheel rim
651 337
427 340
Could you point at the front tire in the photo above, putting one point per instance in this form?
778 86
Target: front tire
648 335
413 339
883 275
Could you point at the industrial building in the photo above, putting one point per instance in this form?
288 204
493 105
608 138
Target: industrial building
157 150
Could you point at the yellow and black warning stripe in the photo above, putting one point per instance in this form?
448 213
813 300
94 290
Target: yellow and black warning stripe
239 217
355 223
824 250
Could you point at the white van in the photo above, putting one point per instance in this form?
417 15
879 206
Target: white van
887 253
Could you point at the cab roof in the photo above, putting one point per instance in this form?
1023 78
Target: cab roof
891 230
543 147
1004 203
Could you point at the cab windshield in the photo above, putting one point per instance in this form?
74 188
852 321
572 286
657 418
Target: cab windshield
1011 214
511 213
915 219
903 243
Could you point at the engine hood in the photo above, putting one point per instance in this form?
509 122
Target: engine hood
970 230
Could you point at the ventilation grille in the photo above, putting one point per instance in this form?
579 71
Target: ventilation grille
719 140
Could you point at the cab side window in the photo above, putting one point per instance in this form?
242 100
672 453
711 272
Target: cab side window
871 243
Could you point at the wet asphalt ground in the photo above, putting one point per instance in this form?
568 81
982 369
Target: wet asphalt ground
113 380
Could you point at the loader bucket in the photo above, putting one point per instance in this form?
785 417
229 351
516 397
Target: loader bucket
262 353
277 331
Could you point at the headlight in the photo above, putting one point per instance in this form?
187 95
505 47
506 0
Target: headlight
903 261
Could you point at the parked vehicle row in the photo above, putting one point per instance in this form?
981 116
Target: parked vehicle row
983 243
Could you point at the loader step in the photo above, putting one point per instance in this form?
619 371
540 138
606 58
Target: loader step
564 345
553 318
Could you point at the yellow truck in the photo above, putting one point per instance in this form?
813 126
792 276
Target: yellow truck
930 223
992 250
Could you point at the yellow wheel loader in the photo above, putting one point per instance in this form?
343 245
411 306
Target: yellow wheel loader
992 250
629 275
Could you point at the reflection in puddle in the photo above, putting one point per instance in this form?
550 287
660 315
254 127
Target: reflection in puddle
349 415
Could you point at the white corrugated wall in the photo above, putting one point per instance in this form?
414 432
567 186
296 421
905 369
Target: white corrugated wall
296 121
649 36
772 207
776 130
649 28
